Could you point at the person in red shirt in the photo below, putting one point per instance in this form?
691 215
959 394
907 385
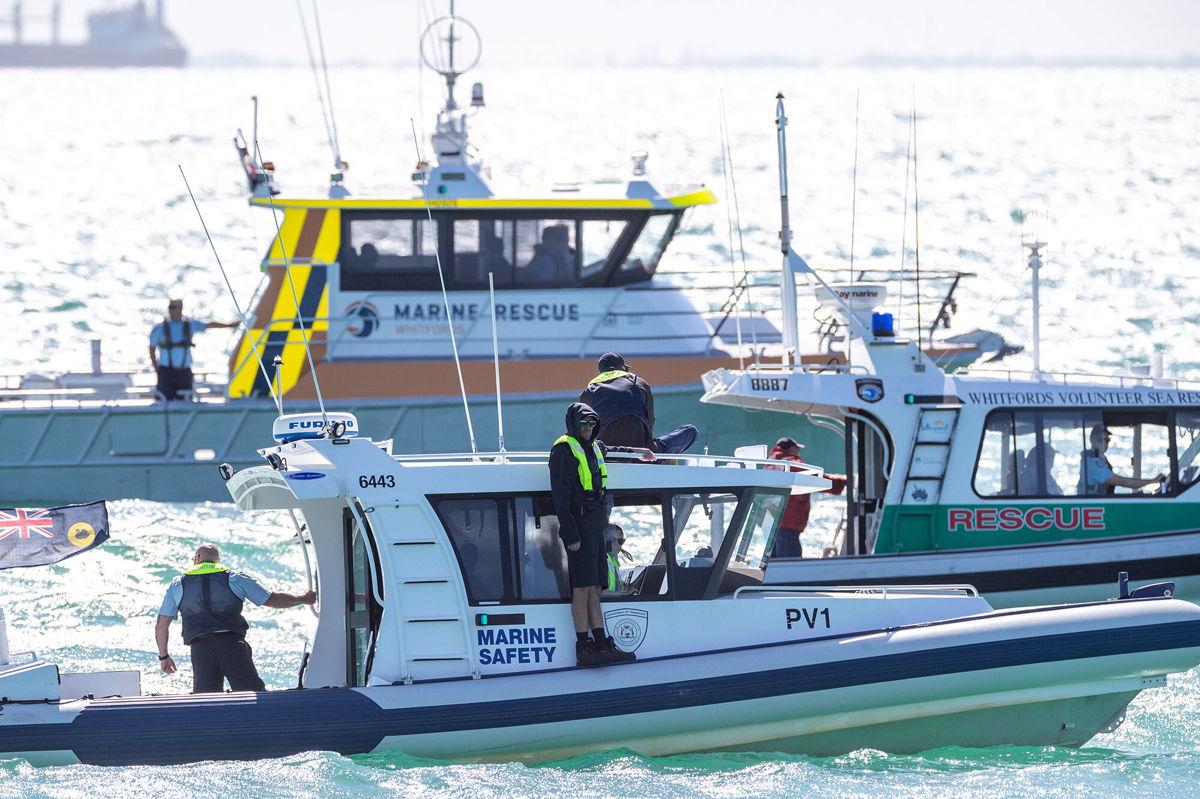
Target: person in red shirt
795 515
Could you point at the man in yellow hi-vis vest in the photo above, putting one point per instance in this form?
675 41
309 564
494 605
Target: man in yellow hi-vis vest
578 475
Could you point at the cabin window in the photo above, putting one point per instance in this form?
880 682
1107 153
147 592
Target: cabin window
698 525
995 470
1072 452
650 244
478 529
751 543
1187 443
599 238
482 246
545 253
543 566
387 253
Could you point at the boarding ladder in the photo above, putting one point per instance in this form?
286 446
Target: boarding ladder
929 457
429 598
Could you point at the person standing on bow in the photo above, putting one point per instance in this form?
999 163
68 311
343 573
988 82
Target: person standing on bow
171 349
795 514
209 597
578 476
625 405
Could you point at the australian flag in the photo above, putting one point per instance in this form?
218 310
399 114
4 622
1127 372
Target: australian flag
33 537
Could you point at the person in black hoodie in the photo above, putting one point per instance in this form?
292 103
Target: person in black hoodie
577 481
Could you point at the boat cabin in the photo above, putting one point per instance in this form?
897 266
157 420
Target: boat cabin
942 462
436 566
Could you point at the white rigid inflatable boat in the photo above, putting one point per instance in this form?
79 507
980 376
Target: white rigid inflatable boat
445 631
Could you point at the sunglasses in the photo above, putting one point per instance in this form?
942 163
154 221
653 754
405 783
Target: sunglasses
587 424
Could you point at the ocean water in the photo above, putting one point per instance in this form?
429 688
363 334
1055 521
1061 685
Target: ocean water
96 230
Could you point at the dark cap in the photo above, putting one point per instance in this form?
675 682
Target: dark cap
609 361
1100 430
788 443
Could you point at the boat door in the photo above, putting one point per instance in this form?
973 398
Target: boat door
362 610
868 459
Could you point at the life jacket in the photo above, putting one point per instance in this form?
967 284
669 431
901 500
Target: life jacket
185 344
613 582
585 469
614 394
209 604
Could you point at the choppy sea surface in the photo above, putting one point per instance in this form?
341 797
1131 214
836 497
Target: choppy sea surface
96 230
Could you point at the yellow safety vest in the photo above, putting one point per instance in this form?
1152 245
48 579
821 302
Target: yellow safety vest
206 568
611 374
614 573
585 473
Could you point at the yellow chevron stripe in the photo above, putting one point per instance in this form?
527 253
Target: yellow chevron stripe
283 315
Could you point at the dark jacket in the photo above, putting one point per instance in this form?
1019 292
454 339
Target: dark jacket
625 406
575 507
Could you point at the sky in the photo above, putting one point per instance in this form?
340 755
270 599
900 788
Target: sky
635 32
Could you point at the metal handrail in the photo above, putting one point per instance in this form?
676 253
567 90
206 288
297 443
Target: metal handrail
880 591
710 461
1122 381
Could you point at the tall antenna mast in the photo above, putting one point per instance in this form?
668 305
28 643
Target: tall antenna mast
496 359
1035 266
787 282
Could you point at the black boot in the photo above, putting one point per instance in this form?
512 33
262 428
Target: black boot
588 654
610 646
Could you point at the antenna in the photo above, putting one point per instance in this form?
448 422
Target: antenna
287 271
904 217
854 186
916 217
1035 265
326 115
787 284
462 386
734 220
496 358
237 306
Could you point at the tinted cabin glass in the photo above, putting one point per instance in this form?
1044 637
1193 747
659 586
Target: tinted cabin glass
543 566
388 253
475 527
482 246
545 253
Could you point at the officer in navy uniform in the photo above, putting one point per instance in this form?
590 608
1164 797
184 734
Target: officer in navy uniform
578 475
209 597
171 349
626 408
